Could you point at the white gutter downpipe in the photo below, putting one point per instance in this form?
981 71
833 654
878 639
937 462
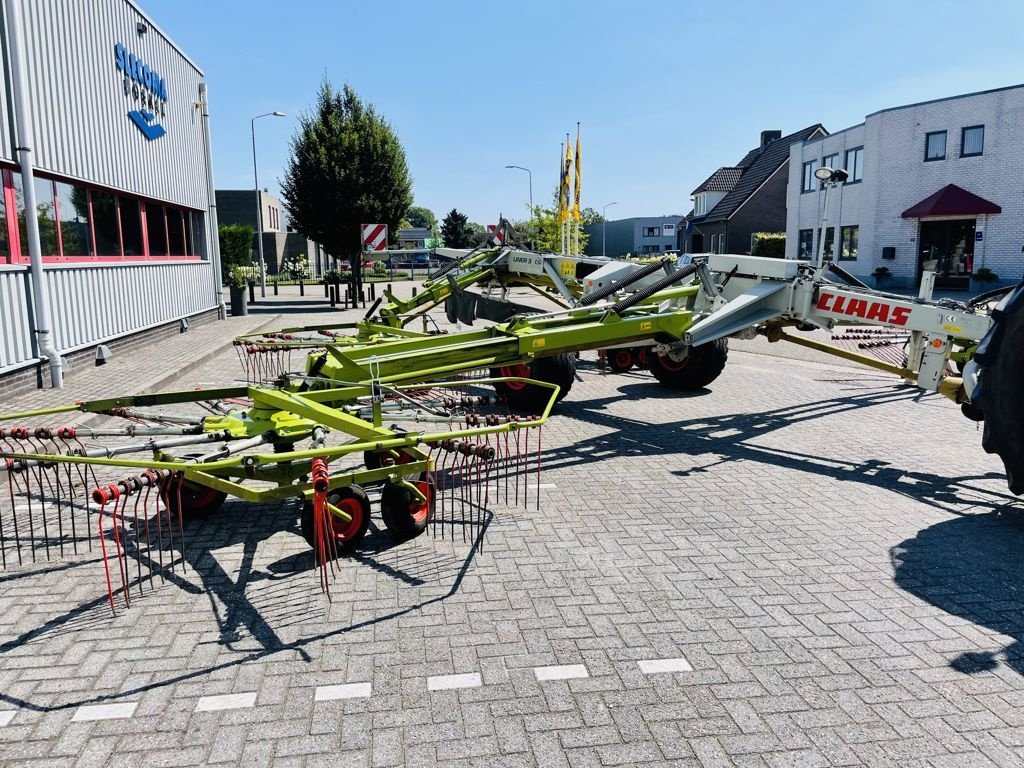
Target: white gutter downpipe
40 304
213 236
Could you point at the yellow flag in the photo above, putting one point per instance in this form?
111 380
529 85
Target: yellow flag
566 171
576 202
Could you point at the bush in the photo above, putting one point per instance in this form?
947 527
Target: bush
235 247
770 244
985 275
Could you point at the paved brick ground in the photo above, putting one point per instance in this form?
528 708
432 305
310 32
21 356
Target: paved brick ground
799 566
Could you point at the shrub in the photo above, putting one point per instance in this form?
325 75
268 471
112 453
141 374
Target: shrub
985 275
770 244
235 247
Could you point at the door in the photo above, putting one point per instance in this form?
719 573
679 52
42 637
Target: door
948 248
697 243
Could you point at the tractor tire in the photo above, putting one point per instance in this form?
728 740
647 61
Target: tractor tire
405 516
1000 359
558 369
701 367
620 360
346 535
197 501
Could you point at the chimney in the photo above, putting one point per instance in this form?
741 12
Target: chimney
767 137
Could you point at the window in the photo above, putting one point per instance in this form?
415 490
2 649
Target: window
830 238
156 229
175 232
935 146
195 234
651 249
131 226
652 231
830 161
699 203
46 215
805 244
104 224
855 164
972 141
810 183
848 243
73 209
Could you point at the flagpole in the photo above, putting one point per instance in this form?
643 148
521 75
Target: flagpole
568 209
561 174
576 208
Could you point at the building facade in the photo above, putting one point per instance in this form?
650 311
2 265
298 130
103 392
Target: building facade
115 118
635 236
281 244
936 185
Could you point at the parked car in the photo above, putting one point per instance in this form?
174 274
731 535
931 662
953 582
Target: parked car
345 264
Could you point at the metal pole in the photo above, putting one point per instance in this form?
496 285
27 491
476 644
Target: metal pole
824 228
604 226
212 234
40 301
259 203
530 174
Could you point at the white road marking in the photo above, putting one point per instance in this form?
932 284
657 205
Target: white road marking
227 701
6 716
448 682
105 712
654 666
564 672
346 691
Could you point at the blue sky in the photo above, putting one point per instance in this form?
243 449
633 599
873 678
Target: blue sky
666 92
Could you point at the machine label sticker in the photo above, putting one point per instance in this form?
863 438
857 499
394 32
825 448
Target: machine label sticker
646 325
526 263
869 310
538 343
146 91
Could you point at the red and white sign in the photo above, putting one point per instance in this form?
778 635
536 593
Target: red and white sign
375 237
498 238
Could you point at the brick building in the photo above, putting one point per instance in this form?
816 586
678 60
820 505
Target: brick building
938 182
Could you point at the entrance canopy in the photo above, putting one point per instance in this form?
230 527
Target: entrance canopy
951 200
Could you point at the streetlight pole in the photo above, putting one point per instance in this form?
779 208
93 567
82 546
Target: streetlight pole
604 225
530 174
259 204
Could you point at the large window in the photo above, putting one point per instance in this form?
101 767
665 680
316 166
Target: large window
73 209
46 215
104 223
809 182
131 226
855 164
651 249
972 141
175 232
652 231
156 229
805 244
830 239
848 243
935 146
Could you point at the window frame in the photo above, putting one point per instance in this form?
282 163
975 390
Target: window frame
853 178
963 140
808 182
651 232
854 230
945 145
799 242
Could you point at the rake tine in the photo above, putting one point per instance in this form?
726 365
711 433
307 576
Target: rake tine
103 549
122 553
526 469
149 541
165 486
138 546
60 511
181 524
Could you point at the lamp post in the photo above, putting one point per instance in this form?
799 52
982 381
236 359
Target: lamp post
521 168
259 203
829 178
604 226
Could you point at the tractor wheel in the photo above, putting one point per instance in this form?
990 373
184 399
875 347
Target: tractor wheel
699 368
557 369
404 515
620 360
346 534
1000 359
196 500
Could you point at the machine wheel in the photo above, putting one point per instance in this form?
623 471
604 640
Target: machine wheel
557 369
353 500
196 500
700 367
620 360
405 516
1000 359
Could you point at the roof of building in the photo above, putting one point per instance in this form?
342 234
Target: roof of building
749 157
721 180
757 171
951 200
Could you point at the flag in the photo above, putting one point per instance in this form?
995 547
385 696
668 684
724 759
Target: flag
564 206
561 185
576 203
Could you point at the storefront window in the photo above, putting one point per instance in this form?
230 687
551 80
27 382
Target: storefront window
104 222
75 234
46 215
156 229
131 226
175 232
196 234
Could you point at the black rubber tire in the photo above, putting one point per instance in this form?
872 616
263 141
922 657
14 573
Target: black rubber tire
403 517
352 499
702 366
620 360
197 501
1000 359
558 369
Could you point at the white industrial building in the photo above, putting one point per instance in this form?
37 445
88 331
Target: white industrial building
104 134
940 181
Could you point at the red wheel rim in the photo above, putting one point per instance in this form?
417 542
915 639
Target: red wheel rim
671 365
345 530
623 358
516 370
420 510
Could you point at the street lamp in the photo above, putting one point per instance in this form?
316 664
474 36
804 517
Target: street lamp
829 178
519 167
259 204
604 225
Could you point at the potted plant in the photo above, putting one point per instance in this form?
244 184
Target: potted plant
238 282
985 275
881 275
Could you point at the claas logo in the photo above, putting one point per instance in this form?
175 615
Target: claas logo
878 311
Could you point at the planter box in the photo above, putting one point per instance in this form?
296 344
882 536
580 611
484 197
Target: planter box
239 301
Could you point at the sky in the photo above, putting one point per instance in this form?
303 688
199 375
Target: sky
665 91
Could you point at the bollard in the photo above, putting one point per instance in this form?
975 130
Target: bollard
414 291
332 294
346 298
373 292
252 293
389 288
327 289
275 287
302 288
362 297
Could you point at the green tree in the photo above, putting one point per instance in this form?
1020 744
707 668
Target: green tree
546 231
347 168
456 230
418 216
590 216
235 247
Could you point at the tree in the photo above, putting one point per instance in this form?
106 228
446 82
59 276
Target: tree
346 168
456 230
418 216
235 247
590 216
546 231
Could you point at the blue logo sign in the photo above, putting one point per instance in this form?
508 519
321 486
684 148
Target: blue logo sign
146 89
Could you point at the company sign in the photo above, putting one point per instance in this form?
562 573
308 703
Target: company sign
145 90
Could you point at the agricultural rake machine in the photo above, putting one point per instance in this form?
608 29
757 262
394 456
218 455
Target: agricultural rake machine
318 433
